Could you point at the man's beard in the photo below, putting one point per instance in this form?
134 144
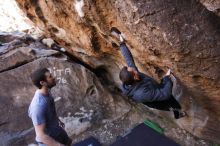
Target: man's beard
51 85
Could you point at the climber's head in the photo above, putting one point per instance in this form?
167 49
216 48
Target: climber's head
128 75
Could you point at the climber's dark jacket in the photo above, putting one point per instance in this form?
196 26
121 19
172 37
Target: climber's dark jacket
147 89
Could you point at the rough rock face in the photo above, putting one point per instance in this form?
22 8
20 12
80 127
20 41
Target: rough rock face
213 5
182 35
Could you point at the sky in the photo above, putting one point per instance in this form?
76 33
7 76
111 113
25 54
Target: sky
12 18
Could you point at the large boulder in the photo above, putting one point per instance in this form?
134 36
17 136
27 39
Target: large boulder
182 35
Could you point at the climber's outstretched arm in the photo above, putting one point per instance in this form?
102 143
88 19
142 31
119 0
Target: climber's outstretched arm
128 56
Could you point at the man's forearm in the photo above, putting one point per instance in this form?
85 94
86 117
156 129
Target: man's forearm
49 141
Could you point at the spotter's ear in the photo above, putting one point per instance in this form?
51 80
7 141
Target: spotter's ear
43 83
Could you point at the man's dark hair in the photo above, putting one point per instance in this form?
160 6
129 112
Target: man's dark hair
125 76
39 75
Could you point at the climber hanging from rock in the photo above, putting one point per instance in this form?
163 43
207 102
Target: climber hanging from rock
142 88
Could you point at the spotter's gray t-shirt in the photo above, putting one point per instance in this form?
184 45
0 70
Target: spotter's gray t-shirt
42 111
